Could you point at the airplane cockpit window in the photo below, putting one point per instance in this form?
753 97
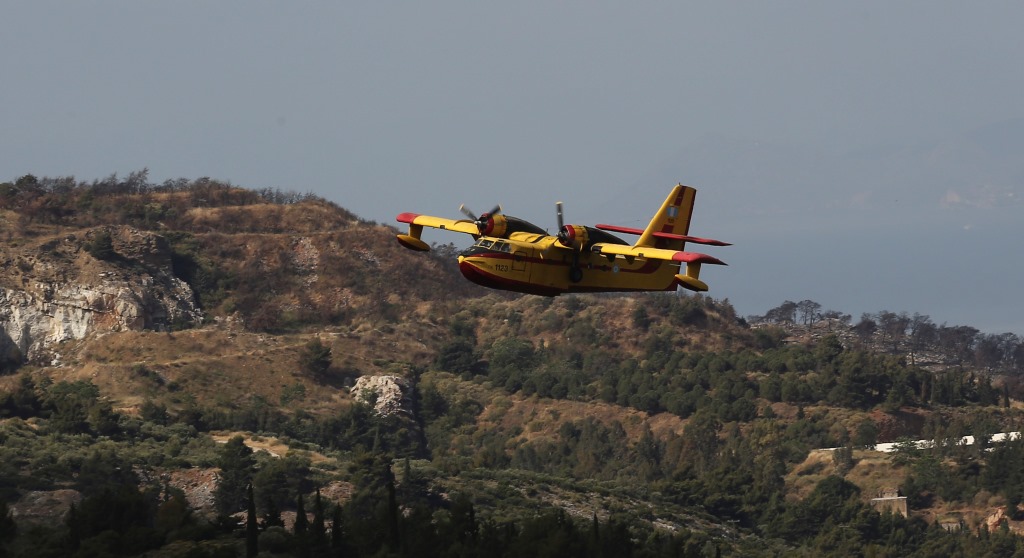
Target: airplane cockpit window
484 243
500 246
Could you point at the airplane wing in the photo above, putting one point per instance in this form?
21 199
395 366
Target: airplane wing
417 222
644 252
457 225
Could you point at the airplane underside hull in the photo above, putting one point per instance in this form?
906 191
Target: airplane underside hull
551 278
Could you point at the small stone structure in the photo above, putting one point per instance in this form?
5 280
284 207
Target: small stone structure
891 500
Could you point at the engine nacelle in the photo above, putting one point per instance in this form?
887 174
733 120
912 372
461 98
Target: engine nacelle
502 226
574 236
496 226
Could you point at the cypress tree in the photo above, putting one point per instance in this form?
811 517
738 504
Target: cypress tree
319 526
252 531
337 531
271 515
392 514
74 528
301 521
301 529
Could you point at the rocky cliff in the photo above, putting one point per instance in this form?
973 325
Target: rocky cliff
55 289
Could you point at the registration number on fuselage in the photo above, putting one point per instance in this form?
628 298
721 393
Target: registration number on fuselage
502 267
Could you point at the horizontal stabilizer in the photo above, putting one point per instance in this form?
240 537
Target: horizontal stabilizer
665 235
695 258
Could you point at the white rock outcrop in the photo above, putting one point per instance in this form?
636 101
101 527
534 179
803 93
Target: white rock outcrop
32 323
52 293
390 394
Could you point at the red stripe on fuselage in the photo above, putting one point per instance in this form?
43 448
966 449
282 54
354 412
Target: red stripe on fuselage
650 266
482 278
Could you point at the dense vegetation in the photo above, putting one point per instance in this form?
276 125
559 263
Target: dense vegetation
660 425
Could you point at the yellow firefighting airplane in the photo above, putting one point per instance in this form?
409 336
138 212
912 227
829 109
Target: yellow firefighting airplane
515 255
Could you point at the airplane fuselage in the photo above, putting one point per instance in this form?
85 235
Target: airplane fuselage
514 255
531 263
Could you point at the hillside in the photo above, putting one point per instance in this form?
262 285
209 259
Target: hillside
154 335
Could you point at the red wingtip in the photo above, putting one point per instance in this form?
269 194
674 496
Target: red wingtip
694 257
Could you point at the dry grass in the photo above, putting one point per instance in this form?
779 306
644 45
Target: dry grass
224 367
540 418
802 479
874 472
273 446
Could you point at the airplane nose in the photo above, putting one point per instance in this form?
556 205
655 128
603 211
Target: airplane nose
471 271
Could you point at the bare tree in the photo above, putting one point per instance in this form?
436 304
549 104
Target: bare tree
893 327
808 310
835 317
956 342
865 328
921 334
784 313
1000 352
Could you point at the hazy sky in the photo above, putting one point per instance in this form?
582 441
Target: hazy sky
866 155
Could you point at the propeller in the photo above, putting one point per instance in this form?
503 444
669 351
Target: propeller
483 220
564 233
567 237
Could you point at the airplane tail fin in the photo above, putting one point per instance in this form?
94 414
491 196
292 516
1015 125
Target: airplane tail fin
673 218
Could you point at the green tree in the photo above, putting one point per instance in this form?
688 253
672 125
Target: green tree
301 526
828 349
319 526
700 439
252 529
640 317
103 469
8 528
69 404
22 402
842 457
866 434
315 358
277 481
115 521
337 531
457 356
101 246
236 464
